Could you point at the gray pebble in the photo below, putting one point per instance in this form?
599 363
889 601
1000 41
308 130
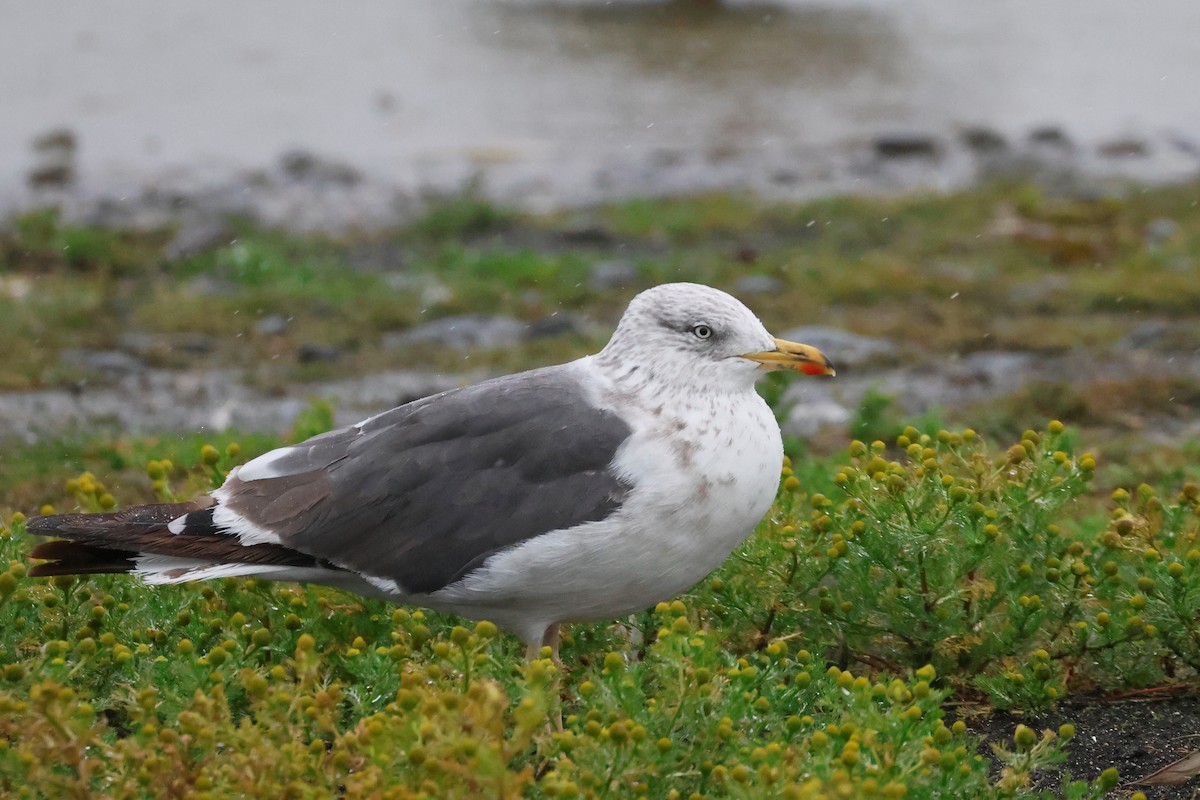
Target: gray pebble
310 352
272 325
1160 230
756 284
461 331
105 361
843 348
614 274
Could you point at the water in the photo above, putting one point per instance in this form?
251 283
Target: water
564 99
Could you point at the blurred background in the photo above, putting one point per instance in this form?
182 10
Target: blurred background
215 211
551 103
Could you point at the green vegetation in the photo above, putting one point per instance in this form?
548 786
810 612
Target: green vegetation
896 585
817 662
1002 267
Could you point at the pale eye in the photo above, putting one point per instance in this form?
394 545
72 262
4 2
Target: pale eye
701 331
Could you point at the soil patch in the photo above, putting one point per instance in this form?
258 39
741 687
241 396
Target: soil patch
1137 736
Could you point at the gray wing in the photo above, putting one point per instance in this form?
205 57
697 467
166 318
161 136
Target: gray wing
426 492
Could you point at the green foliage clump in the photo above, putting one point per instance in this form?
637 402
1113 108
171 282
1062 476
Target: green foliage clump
1147 588
463 215
242 687
945 551
40 241
315 419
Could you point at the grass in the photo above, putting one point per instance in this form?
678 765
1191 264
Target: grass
999 267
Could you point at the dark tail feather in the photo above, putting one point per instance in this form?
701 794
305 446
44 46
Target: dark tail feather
101 543
130 521
98 543
71 558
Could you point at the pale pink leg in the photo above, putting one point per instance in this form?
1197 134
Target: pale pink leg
550 639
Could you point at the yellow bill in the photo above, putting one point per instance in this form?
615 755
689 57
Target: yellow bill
794 356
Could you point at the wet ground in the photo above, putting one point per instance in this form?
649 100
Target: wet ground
310 115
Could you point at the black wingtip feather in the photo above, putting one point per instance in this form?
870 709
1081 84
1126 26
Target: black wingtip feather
112 542
72 558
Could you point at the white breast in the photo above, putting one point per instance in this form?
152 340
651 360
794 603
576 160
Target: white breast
704 471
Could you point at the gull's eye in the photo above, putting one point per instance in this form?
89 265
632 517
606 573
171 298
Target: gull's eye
701 331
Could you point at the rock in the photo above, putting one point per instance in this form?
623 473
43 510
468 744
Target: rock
1184 144
1148 334
1051 135
145 345
461 331
785 177
806 420
15 287
208 286
154 344
663 158
757 284
1037 292
1124 148
141 344
1159 231
272 325
56 140
843 348
557 323
55 167
612 274
906 145
51 176
587 235
196 344
305 167
983 141
992 368
310 352
356 398
109 362
157 400
430 292
196 236
746 253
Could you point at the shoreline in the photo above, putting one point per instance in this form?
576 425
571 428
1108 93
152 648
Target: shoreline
305 191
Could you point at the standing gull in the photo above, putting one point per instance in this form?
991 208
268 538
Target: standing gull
583 491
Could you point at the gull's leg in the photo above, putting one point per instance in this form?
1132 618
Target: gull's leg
533 651
550 639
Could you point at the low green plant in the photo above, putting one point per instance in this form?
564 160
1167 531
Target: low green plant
943 550
1146 590
876 417
247 688
462 215
244 689
936 554
41 241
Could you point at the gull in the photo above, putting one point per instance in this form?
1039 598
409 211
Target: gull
583 491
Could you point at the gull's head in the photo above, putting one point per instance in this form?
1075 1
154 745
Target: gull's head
688 333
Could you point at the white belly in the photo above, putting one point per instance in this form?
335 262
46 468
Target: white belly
698 492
